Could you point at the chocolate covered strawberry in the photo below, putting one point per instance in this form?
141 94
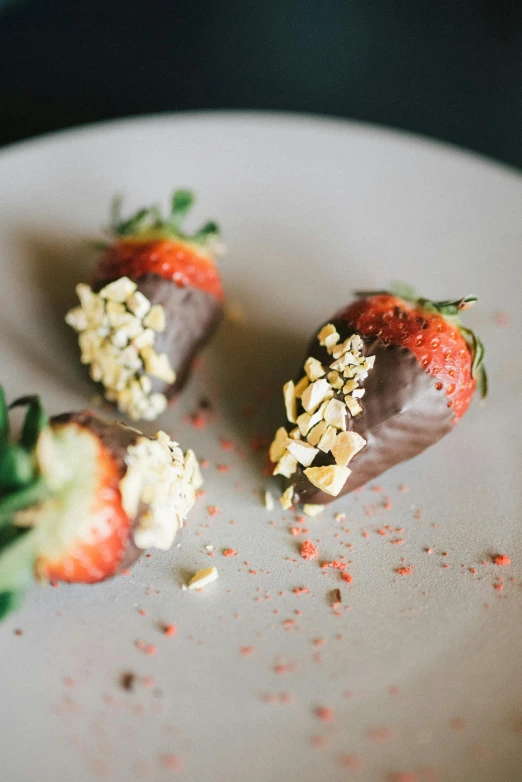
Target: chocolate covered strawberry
154 301
81 497
385 378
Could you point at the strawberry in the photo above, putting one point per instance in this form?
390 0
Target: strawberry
156 298
82 497
386 377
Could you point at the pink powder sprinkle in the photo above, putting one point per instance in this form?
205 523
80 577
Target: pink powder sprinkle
387 504
501 559
308 550
169 630
397 542
226 445
319 742
351 762
150 649
381 734
246 651
325 714
172 762
229 552
285 697
458 723
499 586
213 510
405 570
223 468
301 590
347 577
296 530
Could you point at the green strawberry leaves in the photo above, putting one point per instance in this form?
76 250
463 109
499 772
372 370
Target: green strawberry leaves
22 486
149 222
17 560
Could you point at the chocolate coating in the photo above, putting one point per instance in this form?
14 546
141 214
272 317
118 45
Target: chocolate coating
403 414
192 317
116 438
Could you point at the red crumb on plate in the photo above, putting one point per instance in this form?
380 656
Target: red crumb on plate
351 762
405 570
347 577
172 762
325 714
229 552
319 742
301 590
246 651
308 550
169 630
213 510
381 734
501 559
226 445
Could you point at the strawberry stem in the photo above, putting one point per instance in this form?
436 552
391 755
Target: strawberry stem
149 221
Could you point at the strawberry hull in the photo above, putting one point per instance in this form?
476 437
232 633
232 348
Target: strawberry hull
192 315
403 414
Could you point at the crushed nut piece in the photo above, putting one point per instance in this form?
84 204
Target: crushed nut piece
327 440
301 386
335 414
303 452
119 290
315 394
328 336
335 379
286 498
290 401
155 319
346 445
313 368
312 510
286 465
317 432
203 577
329 479
269 500
278 446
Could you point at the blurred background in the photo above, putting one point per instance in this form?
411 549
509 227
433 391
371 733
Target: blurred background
447 69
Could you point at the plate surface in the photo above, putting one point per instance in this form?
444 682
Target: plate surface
421 673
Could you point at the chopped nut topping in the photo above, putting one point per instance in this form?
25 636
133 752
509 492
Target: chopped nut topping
155 319
116 330
159 488
329 479
324 420
303 452
335 414
119 290
278 445
269 500
286 498
290 401
286 465
203 577
346 445
317 432
335 379
328 336
313 368
312 510
315 394
300 387
327 439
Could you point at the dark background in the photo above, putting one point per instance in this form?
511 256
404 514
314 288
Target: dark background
452 70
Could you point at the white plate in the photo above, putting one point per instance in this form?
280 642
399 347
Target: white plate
311 209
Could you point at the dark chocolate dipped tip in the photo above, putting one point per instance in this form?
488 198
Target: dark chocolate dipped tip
191 319
402 414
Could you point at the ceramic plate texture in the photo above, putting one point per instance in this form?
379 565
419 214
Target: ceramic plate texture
416 674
